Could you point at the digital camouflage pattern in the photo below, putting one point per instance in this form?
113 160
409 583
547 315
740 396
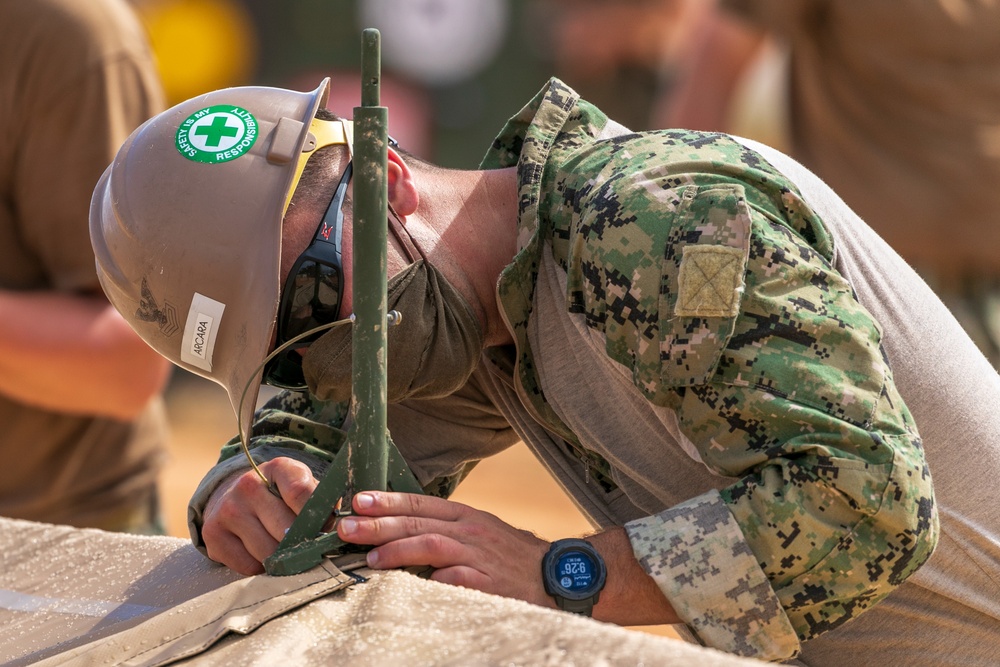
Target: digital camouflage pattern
298 425
711 281
680 548
774 368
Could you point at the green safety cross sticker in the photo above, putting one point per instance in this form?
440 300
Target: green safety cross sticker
218 133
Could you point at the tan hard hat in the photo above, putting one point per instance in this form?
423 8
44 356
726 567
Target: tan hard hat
186 226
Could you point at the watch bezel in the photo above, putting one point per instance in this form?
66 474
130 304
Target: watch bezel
550 577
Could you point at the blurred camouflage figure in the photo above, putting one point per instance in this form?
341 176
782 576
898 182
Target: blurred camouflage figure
735 379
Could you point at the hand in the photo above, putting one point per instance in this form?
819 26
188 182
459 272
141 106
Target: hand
244 521
467 547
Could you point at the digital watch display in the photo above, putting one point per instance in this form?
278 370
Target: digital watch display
574 575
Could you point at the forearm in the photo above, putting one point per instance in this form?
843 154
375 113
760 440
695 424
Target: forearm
75 354
630 595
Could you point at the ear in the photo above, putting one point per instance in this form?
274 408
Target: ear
402 190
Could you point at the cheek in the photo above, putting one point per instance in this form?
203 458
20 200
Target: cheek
396 261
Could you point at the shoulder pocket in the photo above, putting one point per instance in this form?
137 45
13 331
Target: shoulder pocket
702 283
664 284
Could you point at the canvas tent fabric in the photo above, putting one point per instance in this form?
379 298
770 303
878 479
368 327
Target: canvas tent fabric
72 596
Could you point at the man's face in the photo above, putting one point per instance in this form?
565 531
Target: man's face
314 231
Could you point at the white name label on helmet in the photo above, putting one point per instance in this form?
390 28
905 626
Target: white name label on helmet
204 318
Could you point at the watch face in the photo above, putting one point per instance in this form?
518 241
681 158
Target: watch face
575 571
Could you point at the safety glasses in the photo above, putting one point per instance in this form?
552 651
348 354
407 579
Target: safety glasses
312 293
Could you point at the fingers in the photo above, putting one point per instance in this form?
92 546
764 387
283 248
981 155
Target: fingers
233 531
408 529
461 575
433 549
228 549
467 547
385 517
294 480
244 521
380 503
413 529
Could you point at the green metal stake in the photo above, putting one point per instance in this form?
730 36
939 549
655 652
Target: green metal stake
368 460
369 456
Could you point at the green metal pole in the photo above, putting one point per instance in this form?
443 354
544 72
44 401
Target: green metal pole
369 456
369 460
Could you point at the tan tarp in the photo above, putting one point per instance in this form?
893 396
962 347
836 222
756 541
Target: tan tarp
85 597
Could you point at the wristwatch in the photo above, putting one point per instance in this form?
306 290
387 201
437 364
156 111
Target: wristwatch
574 574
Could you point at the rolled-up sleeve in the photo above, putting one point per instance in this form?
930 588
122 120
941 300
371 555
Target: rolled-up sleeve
697 555
827 519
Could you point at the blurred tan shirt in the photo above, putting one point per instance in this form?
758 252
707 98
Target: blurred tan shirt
75 79
896 105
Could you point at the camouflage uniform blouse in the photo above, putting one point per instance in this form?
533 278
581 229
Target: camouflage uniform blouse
710 281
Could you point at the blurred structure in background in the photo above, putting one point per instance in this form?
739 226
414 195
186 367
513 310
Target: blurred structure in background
200 45
450 67
453 70
618 55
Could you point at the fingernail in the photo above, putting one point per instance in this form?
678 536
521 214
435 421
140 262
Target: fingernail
348 526
372 558
364 500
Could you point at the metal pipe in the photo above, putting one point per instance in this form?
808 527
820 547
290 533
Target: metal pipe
369 457
363 462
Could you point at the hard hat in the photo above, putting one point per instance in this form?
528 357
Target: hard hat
186 226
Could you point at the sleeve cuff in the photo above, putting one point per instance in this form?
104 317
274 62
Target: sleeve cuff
698 557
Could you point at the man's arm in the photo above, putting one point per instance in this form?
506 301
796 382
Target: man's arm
776 377
244 523
441 440
475 549
74 353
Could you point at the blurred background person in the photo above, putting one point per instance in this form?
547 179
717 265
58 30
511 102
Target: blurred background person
895 104
84 431
621 56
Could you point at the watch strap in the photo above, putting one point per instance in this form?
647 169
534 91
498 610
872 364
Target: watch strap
584 607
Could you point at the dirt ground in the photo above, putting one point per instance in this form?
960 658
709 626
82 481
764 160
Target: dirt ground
201 420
